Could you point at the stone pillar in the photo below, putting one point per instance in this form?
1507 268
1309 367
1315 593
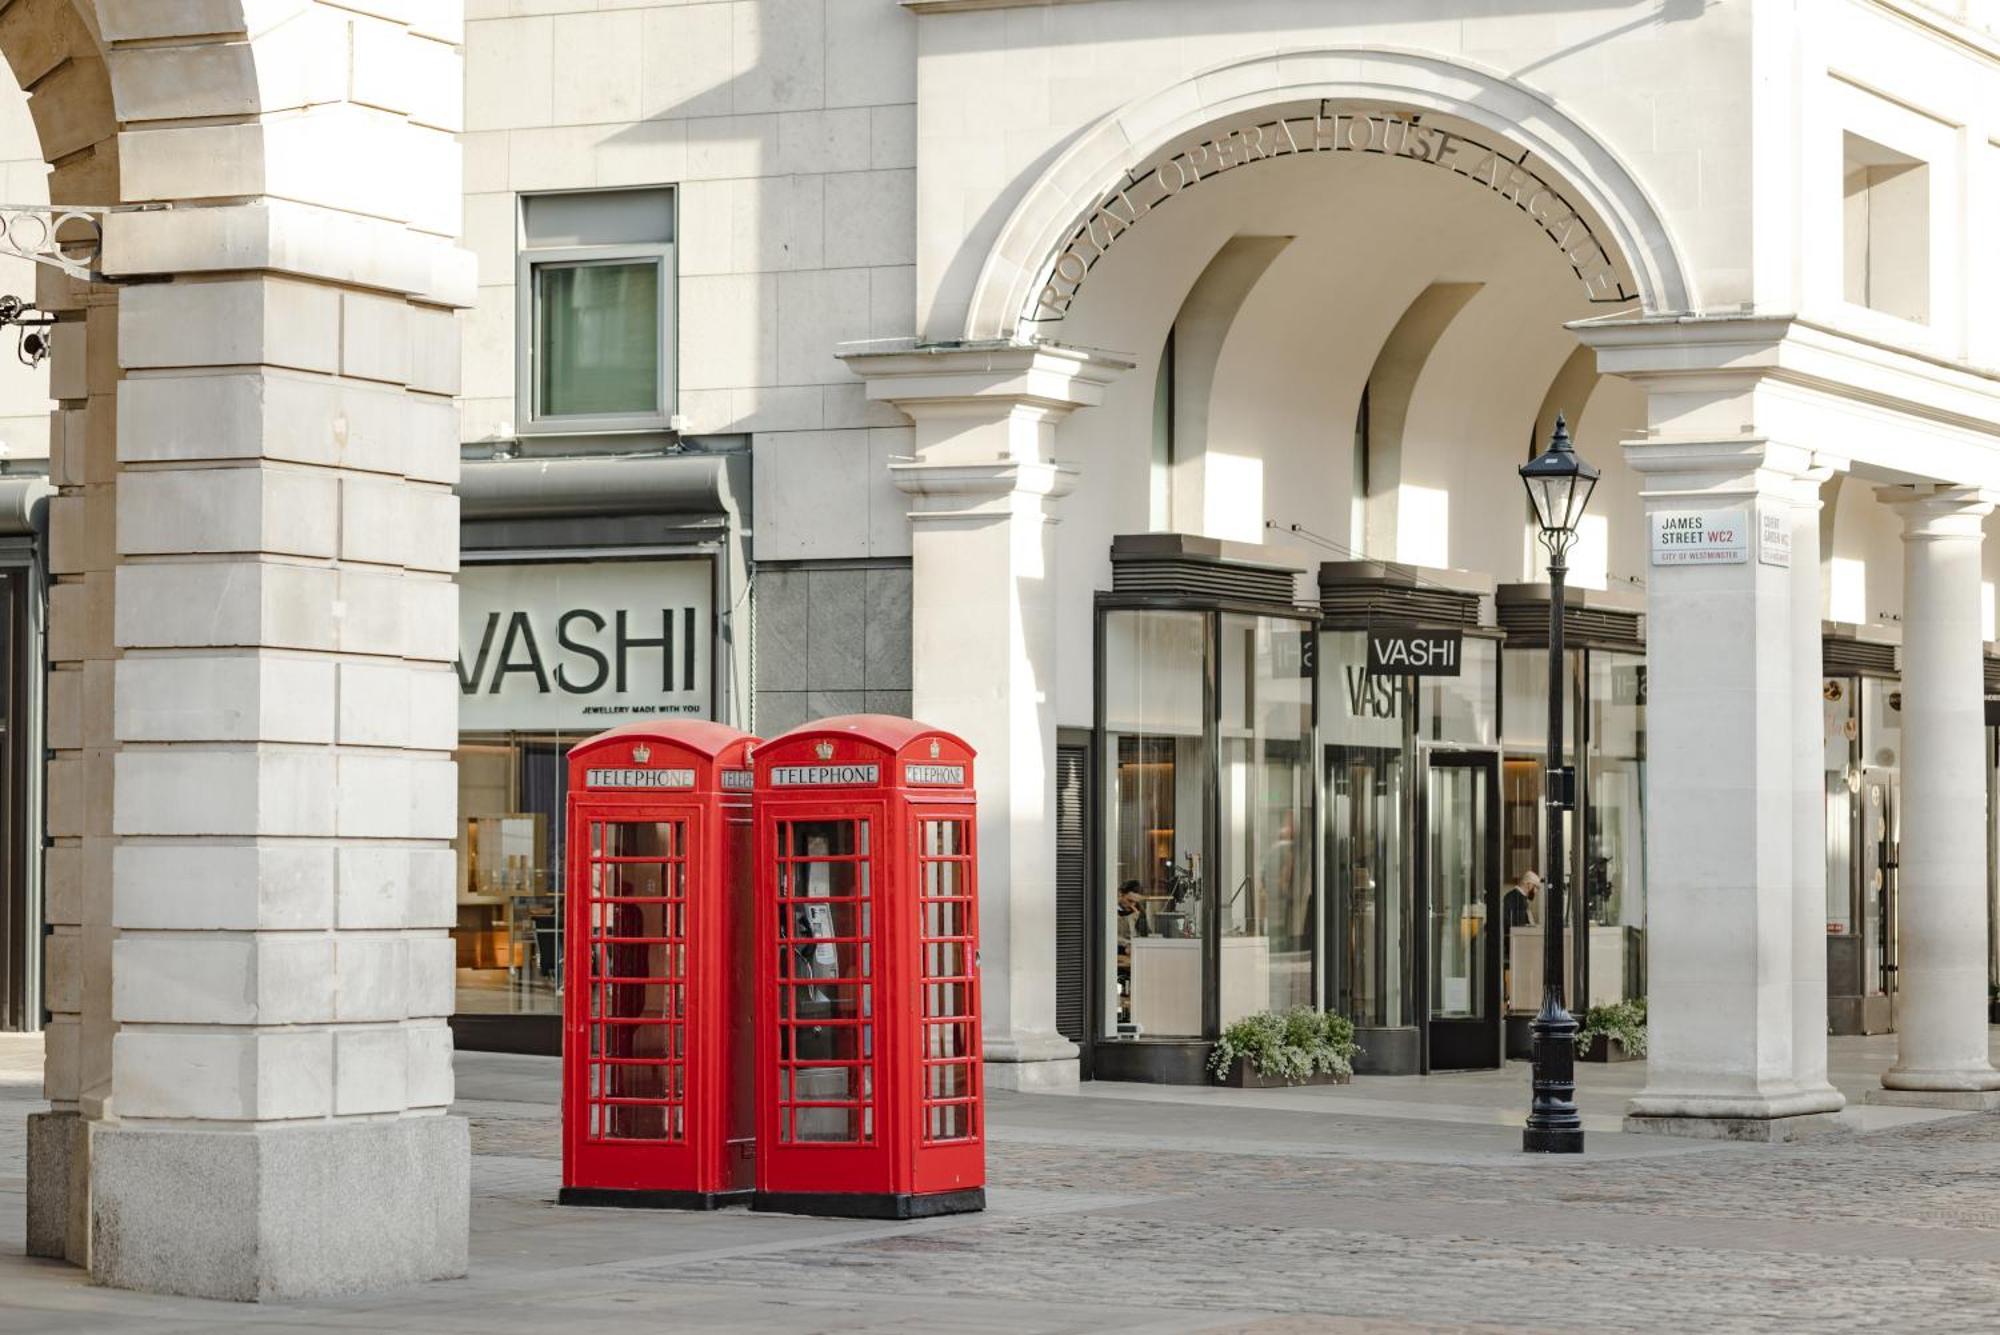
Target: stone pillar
52 49
1941 1040
1720 718
262 545
983 642
1808 792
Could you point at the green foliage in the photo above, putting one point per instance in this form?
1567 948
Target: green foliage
1287 1046
1624 1021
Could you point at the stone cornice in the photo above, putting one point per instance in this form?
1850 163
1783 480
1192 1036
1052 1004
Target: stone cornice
1943 26
1789 350
943 376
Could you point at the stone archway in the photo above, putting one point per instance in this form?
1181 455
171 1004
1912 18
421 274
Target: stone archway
250 707
1074 185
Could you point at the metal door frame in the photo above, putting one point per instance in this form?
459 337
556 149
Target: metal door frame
1487 759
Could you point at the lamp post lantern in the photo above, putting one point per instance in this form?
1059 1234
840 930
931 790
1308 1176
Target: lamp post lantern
1559 485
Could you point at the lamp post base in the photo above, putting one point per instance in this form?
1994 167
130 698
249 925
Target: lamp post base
1552 1142
1554 1125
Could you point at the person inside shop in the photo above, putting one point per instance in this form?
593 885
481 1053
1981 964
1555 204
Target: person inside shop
1132 922
1132 912
1517 909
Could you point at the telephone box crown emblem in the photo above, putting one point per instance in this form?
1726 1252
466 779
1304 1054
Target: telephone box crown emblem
934 748
641 754
824 750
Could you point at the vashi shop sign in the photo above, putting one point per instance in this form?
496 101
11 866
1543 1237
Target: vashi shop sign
579 646
1405 651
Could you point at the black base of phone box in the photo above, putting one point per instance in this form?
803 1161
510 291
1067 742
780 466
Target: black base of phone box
870 1205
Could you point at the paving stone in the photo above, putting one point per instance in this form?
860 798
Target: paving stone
1133 1209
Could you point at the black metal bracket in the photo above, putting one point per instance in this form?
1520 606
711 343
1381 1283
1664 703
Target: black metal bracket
32 323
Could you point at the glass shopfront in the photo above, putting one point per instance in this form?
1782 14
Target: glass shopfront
1863 744
1208 912
552 652
23 675
1277 825
1412 856
1604 853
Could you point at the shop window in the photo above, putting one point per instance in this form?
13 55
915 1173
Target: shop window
1155 757
1840 706
1886 230
1368 835
1265 873
1463 709
1160 483
510 859
1614 852
596 311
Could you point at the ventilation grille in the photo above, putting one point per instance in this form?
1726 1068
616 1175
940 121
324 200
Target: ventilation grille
1527 626
1993 676
1072 892
1358 604
1182 577
1843 657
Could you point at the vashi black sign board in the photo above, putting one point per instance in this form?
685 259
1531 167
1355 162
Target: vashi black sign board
1406 651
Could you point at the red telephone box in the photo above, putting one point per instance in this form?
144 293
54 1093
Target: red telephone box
657 1041
869 1088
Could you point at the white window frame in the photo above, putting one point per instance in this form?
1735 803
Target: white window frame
531 420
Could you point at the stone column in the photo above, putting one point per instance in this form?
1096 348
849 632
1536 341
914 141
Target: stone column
983 642
1941 1040
1808 791
262 547
51 49
1720 719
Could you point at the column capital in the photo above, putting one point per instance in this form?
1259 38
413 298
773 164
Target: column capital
979 491
982 379
1806 484
1677 469
1933 511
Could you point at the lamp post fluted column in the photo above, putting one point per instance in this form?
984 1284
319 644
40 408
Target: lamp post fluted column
1559 485
1554 1125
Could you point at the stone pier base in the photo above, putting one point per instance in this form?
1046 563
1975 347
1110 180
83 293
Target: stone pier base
1030 1061
1963 1100
1764 1130
286 1212
58 1168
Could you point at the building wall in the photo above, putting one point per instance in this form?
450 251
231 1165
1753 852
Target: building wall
833 637
788 129
1666 87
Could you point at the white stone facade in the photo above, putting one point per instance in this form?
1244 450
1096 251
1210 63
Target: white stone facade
928 257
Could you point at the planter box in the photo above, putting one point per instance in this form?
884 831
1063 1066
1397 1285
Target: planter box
1241 1076
1606 1049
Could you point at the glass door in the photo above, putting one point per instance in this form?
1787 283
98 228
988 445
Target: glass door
1364 871
1460 845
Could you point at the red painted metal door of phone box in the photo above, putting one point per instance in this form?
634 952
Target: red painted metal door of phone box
869 1087
657 1044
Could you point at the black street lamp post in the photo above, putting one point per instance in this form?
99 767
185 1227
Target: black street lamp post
1559 484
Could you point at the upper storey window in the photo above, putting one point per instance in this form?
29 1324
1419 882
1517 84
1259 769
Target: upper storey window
596 290
1886 231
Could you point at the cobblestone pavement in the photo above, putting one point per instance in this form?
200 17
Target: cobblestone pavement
1113 1209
